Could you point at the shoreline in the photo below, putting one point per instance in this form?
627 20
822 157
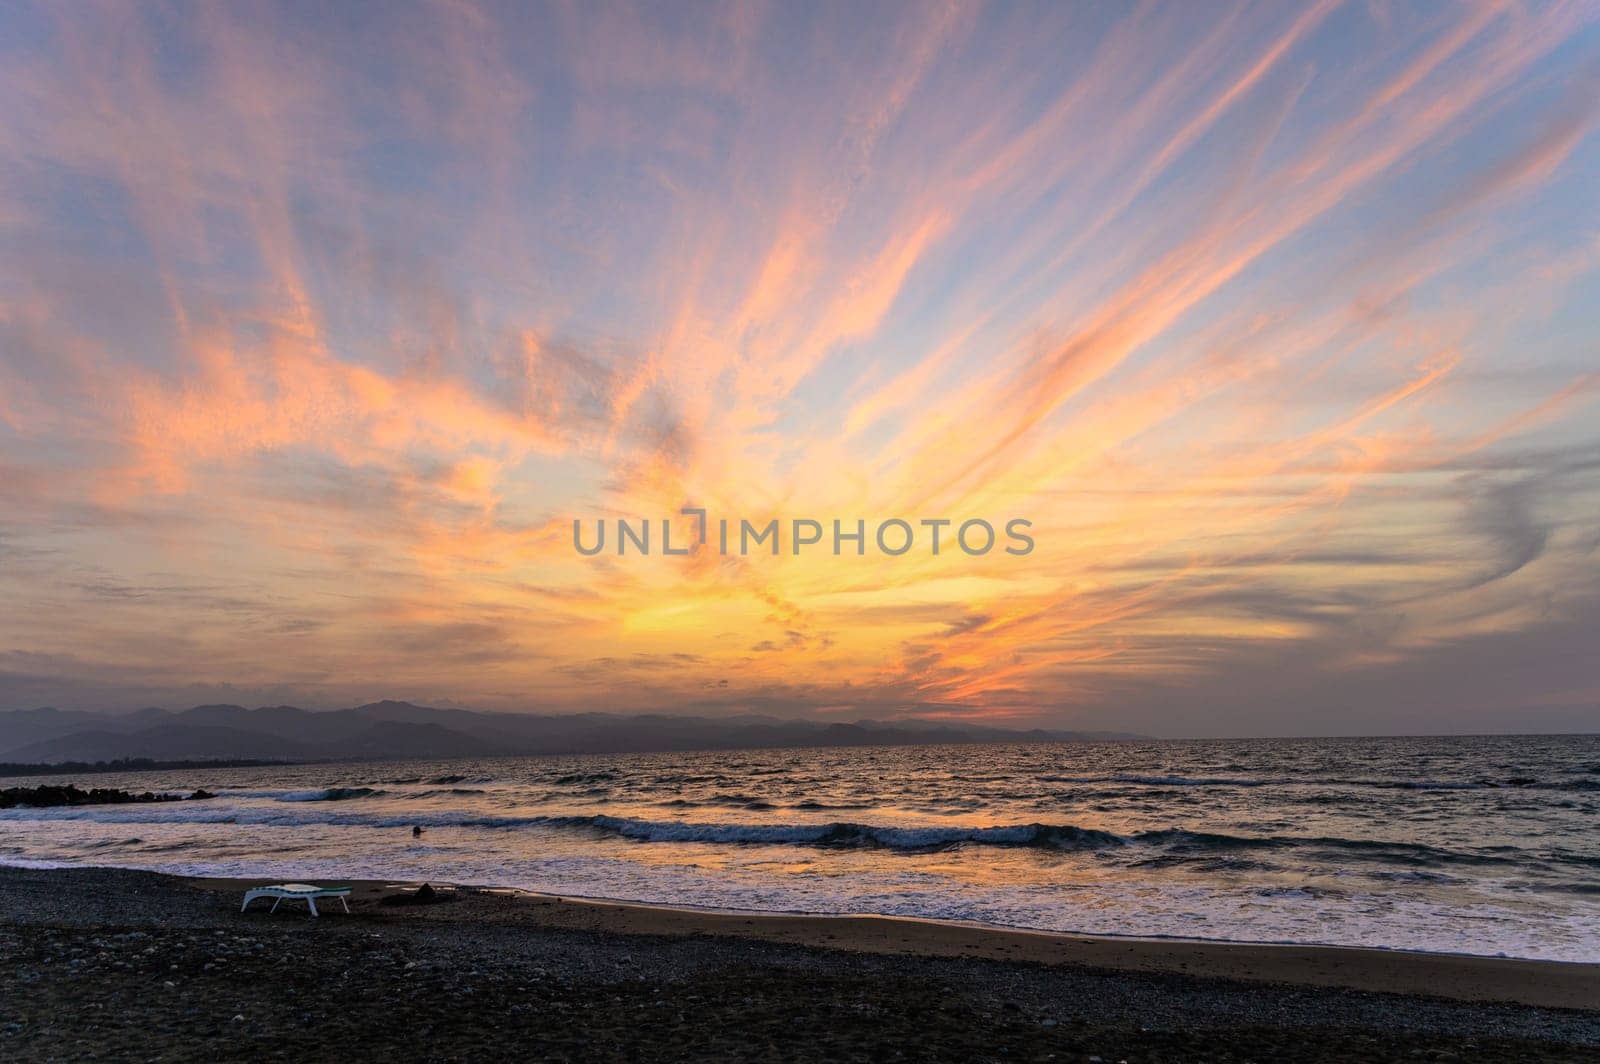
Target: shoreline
1382 969
1452 976
722 911
976 925
115 963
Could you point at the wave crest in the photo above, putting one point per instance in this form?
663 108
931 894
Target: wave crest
848 834
330 794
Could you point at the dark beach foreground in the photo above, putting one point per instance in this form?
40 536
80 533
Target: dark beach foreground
117 965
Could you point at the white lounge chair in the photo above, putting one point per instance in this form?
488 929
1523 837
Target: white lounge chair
303 891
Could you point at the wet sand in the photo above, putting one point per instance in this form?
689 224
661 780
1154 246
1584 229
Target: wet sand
128 965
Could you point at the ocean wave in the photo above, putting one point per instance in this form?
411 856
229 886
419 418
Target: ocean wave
811 804
846 834
737 801
1405 853
1181 844
584 777
1061 837
1513 782
1169 781
1410 875
330 794
439 792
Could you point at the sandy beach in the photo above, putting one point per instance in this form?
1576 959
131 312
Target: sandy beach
111 964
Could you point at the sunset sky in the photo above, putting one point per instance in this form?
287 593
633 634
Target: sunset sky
320 324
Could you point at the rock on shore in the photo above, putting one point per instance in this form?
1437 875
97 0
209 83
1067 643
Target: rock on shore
55 795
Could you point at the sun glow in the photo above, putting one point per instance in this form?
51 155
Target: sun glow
1277 326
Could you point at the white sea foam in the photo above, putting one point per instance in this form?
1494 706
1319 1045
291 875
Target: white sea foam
1205 841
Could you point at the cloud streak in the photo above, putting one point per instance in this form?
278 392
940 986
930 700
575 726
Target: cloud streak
1277 324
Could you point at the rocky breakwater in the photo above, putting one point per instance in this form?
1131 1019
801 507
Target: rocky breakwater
56 795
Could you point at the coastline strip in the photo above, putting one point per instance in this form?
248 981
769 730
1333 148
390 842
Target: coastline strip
1462 977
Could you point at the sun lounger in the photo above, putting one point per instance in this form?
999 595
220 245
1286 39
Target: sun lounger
302 891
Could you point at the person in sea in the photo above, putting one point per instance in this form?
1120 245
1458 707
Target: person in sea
416 831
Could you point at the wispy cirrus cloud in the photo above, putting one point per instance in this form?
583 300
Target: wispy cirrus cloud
1276 323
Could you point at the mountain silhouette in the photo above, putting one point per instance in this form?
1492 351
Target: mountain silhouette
393 730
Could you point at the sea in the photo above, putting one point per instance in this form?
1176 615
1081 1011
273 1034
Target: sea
1475 845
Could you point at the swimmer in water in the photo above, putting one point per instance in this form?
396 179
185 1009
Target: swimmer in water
416 831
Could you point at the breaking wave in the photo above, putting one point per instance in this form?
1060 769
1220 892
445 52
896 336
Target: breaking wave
1511 782
1180 843
331 794
848 834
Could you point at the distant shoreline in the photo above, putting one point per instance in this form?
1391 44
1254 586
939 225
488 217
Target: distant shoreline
39 741
10 769
392 730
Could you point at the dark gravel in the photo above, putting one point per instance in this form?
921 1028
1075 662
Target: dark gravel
112 965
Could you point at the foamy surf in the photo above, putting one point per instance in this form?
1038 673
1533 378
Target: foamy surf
1249 841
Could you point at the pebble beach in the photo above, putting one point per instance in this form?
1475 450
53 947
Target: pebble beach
105 964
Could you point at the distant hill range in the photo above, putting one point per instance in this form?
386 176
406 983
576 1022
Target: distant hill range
390 730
